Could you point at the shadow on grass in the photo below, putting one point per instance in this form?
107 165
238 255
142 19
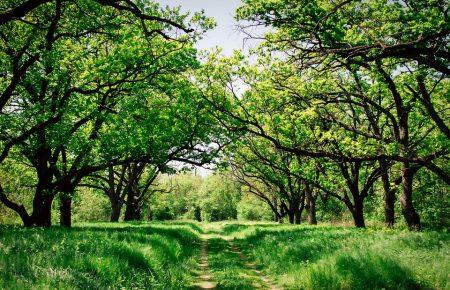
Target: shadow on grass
297 244
361 272
98 257
141 234
131 256
336 258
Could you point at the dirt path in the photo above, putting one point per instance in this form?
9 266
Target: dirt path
204 277
230 268
270 285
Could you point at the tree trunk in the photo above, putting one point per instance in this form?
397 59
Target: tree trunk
291 217
358 214
18 208
132 214
298 218
65 210
115 211
44 195
311 206
411 216
299 211
43 198
42 210
312 219
389 196
276 218
133 211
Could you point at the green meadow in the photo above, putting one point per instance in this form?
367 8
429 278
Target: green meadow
166 256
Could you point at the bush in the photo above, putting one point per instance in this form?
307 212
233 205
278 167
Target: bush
250 208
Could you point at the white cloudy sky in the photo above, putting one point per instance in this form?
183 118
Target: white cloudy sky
225 34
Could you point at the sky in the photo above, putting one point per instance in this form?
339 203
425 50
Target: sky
225 34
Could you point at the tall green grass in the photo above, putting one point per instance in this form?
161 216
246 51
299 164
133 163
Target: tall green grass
228 269
165 255
306 257
98 256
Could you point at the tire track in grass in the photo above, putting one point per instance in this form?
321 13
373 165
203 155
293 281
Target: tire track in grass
228 269
204 277
250 265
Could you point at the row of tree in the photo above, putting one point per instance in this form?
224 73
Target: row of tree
343 99
93 91
344 95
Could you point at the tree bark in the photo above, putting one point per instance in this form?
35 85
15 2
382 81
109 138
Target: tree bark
43 198
65 209
42 210
133 211
18 208
389 196
298 218
409 212
312 219
116 208
291 217
358 214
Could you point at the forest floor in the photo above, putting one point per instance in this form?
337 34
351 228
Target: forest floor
226 255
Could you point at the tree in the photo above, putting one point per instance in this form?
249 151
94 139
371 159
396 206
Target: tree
56 109
358 77
351 34
275 176
218 198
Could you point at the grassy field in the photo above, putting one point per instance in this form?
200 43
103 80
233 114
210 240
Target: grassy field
240 256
